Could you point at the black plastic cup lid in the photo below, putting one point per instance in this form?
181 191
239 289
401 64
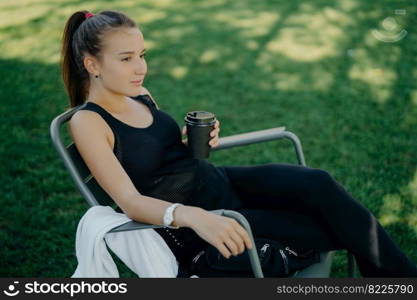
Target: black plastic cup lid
200 117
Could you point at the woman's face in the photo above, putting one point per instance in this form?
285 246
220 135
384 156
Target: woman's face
123 61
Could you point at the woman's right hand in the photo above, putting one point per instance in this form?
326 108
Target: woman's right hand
224 233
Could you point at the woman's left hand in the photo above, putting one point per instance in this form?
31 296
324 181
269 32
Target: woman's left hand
214 141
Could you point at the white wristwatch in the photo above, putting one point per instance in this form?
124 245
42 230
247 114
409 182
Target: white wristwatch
169 215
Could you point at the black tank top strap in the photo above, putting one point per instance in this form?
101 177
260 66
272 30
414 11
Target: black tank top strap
146 99
101 111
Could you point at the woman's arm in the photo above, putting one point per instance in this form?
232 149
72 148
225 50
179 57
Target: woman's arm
88 129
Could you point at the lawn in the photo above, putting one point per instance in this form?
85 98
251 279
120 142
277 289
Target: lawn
319 68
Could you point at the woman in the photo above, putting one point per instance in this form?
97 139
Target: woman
135 152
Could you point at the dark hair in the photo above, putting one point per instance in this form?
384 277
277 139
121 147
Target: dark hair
81 36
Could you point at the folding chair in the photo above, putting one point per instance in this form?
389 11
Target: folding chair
95 195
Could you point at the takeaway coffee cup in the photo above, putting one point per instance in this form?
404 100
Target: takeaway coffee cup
199 125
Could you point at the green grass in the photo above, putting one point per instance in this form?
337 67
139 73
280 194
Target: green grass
313 66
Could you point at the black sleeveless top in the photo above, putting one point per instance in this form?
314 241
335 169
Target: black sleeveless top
154 157
161 166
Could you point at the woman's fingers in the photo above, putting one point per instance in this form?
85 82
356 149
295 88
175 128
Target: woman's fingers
215 136
224 233
245 236
241 236
216 129
214 142
232 245
214 132
238 241
223 250
236 235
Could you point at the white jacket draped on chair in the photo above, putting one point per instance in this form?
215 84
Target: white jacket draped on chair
143 251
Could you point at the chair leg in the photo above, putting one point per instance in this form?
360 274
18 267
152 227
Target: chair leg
351 265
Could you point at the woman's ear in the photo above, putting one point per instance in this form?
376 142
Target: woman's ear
91 65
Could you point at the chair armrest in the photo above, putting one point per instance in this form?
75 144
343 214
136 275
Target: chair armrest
253 255
133 225
261 136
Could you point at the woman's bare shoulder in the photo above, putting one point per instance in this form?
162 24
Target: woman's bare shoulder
83 116
89 119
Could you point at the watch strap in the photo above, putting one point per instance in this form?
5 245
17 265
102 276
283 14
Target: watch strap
169 215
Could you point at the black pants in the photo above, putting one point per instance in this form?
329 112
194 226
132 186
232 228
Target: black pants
309 208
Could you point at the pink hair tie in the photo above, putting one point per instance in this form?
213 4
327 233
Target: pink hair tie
88 15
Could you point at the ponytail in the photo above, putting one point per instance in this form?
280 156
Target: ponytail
82 34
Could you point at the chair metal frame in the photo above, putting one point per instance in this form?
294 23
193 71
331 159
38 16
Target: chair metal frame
95 195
